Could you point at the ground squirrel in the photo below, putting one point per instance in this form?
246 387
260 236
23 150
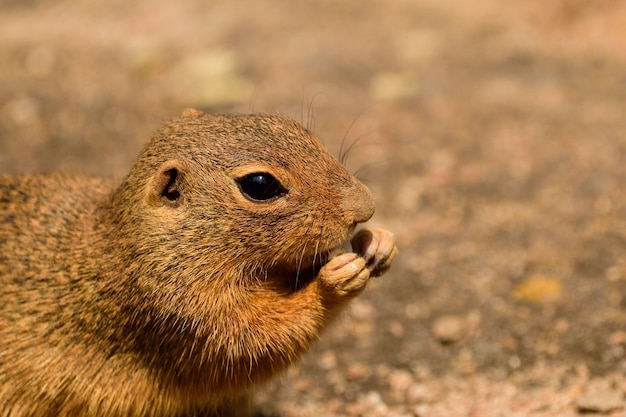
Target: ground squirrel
208 270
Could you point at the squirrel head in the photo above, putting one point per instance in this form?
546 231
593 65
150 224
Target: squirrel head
219 214
244 192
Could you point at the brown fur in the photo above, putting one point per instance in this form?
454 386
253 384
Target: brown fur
173 294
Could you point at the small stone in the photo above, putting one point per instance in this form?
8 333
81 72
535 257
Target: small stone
396 329
615 273
539 289
357 371
394 85
448 329
421 410
400 380
22 110
515 362
328 360
420 393
561 326
617 338
370 404
362 310
600 397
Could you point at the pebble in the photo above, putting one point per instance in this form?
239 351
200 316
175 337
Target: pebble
539 289
400 380
328 360
394 85
448 328
22 110
600 397
617 338
421 393
370 403
396 329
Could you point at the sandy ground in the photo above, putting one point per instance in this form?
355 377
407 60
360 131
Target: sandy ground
493 136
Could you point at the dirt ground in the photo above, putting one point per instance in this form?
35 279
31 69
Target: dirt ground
493 135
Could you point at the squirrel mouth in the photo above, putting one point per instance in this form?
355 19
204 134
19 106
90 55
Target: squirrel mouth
322 258
346 247
340 249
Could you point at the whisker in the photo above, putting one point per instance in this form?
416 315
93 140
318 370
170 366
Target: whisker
317 247
254 95
306 233
343 157
299 266
302 108
319 239
310 126
358 141
365 167
309 114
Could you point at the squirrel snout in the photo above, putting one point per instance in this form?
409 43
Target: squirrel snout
358 204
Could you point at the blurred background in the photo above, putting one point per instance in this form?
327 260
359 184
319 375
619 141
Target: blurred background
493 135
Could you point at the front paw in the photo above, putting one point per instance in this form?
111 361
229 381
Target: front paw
377 247
345 275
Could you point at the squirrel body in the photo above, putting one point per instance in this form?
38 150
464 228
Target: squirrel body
208 270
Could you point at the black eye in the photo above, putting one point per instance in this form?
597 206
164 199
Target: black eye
261 186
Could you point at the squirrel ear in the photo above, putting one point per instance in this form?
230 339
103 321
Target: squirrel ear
166 187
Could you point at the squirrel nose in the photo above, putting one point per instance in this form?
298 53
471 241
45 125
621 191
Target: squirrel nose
358 204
